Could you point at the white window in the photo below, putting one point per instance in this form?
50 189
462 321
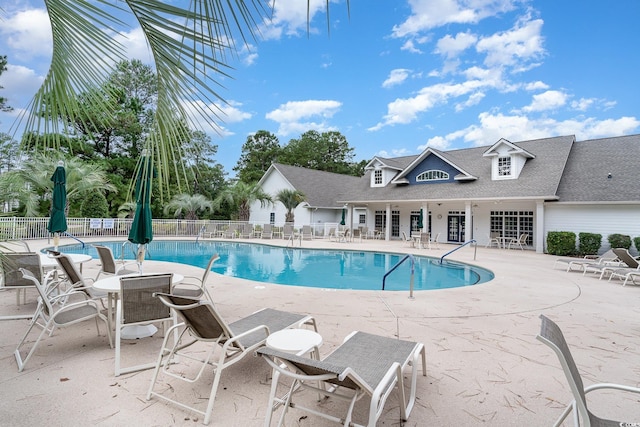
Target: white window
432 175
504 166
377 177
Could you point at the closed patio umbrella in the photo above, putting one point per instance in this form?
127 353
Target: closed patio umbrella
57 219
344 214
420 220
141 229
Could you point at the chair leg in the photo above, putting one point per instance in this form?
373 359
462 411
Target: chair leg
21 363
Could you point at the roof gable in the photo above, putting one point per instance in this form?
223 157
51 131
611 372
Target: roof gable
432 159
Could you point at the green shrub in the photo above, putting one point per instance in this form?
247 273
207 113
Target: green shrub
561 243
95 206
619 241
636 243
589 243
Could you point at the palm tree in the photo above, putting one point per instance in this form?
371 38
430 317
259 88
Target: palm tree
190 46
32 181
241 195
188 206
290 199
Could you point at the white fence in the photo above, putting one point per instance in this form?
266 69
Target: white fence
16 228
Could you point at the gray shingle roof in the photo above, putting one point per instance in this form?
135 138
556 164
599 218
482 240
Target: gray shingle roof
585 176
321 189
563 170
538 180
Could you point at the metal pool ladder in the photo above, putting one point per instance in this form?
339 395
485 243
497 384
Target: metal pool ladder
413 269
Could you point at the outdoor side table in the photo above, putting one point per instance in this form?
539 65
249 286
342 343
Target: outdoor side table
296 341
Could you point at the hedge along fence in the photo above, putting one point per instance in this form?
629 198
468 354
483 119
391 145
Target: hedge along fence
620 241
561 243
589 243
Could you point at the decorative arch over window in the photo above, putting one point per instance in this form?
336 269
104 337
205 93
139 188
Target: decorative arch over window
432 175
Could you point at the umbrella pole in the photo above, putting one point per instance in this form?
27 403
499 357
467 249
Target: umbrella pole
56 241
140 256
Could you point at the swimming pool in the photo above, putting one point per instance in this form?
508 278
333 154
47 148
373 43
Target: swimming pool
318 268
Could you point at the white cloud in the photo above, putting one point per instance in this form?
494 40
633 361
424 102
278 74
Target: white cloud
396 77
18 83
226 114
474 99
492 127
451 47
290 18
536 86
409 46
28 33
293 117
135 45
428 14
397 152
549 100
517 48
583 104
403 111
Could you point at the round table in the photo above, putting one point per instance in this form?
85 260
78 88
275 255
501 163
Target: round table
111 285
296 341
48 261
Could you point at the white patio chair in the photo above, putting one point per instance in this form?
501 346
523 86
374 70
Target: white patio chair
137 306
551 335
54 313
195 287
228 343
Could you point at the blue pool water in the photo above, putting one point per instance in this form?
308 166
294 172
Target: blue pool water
319 268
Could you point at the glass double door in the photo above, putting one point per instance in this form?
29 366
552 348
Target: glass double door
455 228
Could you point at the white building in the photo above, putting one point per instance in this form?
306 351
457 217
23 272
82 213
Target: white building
510 188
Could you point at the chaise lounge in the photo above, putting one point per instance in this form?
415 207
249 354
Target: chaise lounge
364 364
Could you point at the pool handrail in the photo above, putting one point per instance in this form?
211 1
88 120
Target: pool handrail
460 247
74 238
413 269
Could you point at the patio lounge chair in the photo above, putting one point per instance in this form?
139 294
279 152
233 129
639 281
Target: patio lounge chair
247 231
551 335
109 265
230 232
195 287
631 269
607 258
53 312
287 231
626 263
307 233
364 364
137 306
205 325
267 231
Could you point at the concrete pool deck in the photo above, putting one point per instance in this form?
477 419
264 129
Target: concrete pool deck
484 365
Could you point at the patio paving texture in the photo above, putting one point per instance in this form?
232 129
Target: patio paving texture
484 365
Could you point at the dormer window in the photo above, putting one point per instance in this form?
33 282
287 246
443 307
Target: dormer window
377 177
504 166
432 175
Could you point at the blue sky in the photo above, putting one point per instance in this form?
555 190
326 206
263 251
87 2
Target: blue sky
398 76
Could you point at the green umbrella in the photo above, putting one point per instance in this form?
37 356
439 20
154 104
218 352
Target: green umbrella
420 221
344 214
58 220
141 230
